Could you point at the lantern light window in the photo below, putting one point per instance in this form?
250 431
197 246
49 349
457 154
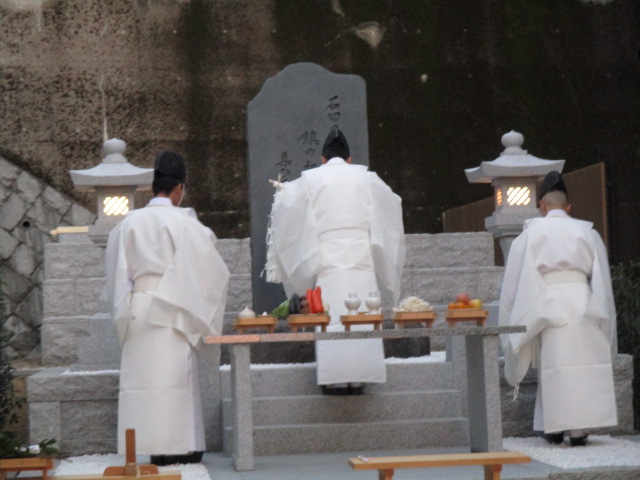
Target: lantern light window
116 205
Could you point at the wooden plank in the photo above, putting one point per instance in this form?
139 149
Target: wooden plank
36 463
442 460
316 318
223 339
262 321
168 475
467 313
363 334
430 315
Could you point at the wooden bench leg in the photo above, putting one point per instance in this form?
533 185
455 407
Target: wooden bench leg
492 472
386 474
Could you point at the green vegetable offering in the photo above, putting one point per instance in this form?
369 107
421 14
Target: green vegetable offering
282 310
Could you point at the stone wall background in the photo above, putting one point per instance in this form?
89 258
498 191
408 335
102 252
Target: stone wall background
444 82
29 210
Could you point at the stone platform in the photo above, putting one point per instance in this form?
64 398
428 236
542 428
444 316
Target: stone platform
74 397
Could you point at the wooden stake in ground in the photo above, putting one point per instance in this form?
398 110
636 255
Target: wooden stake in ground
131 470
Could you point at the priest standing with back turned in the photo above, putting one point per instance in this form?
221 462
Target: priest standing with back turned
166 288
557 284
339 226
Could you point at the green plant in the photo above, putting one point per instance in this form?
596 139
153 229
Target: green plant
626 292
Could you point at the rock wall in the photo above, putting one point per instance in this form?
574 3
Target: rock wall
443 85
29 210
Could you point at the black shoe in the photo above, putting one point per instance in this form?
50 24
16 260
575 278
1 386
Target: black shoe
193 457
158 460
578 441
163 460
554 438
327 390
356 388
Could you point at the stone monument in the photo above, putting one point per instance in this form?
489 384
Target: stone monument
286 126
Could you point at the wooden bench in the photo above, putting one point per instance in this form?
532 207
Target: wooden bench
492 462
18 465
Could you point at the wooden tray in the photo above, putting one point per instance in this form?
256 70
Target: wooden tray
362 319
300 320
477 315
263 321
406 318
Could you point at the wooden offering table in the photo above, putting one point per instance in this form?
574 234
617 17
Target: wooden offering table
362 319
477 315
263 321
483 382
297 321
402 319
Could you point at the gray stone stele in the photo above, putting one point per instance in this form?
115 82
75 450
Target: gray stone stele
287 124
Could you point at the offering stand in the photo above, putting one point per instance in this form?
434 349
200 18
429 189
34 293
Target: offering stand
362 319
477 315
297 321
402 319
263 321
483 382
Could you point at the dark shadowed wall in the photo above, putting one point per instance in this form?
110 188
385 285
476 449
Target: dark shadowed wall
445 80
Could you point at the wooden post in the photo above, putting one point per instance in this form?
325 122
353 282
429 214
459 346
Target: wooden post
131 468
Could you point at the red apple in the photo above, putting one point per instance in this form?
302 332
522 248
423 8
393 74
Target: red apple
463 297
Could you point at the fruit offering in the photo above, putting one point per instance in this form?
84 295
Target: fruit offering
414 304
463 300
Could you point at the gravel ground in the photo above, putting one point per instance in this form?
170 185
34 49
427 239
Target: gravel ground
600 451
95 464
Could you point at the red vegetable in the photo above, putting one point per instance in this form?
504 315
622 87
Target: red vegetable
318 293
315 304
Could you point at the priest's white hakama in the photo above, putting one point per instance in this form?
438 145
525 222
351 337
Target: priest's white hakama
166 288
339 226
557 283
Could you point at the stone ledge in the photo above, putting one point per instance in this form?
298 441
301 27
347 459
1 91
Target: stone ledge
73 260
445 250
63 385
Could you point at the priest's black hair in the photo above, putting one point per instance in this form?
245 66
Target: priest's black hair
169 171
335 145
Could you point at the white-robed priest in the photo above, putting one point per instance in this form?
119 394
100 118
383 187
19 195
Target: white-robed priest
557 283
339 226
166 287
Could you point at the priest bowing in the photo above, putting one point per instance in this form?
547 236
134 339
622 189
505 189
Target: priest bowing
339 226
557 284
166 289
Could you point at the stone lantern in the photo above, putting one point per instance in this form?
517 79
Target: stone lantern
514 175
115 181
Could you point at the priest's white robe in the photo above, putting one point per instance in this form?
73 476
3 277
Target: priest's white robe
557 283
166 287
339 226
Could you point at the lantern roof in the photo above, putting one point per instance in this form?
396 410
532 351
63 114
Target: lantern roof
113 171
514 161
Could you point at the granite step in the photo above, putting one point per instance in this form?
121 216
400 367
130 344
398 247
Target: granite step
335 437
316 409
417 407
418 374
